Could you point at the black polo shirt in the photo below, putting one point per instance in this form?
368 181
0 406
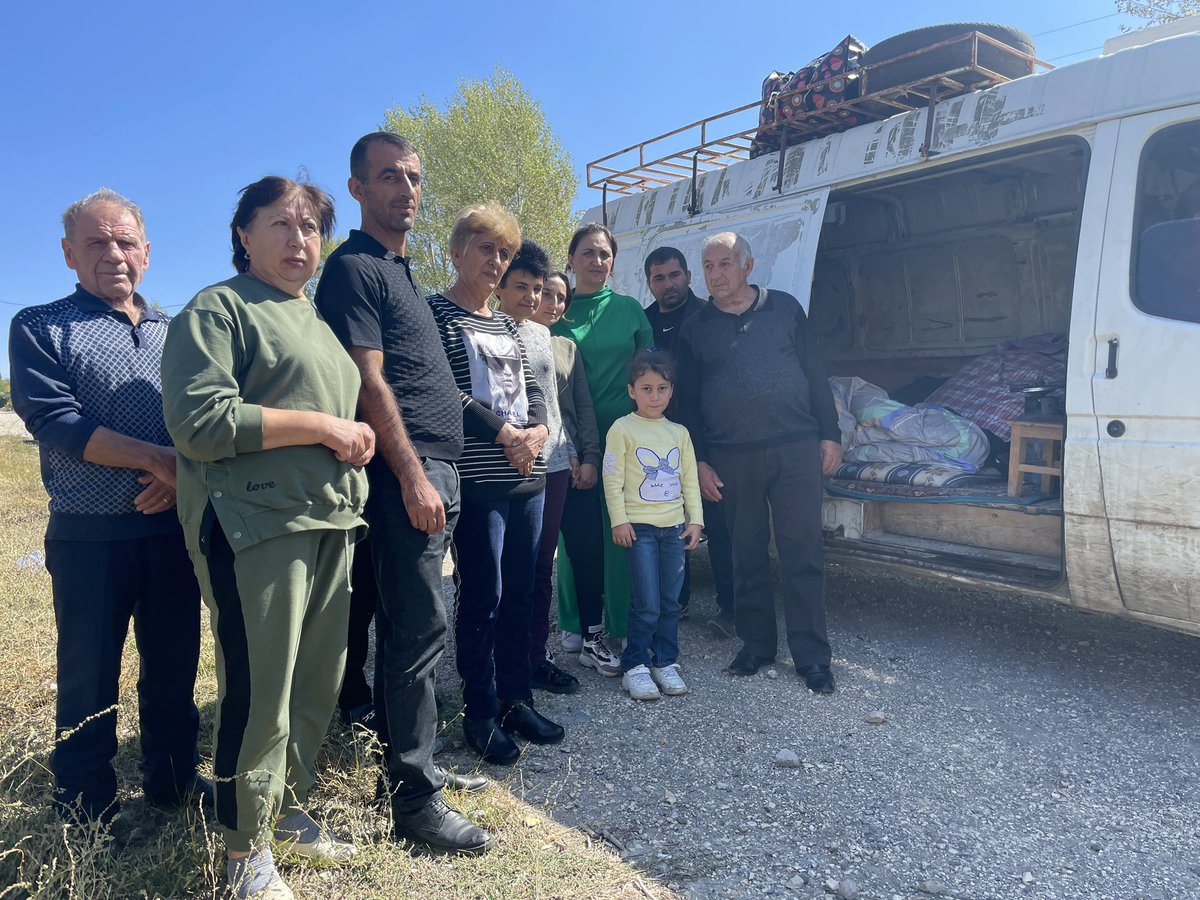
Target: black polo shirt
369 298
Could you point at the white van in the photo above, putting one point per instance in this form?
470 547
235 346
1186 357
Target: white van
1055 203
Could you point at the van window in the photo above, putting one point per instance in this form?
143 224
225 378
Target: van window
1165 276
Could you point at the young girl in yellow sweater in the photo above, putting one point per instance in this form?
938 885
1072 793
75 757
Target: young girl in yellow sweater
653 498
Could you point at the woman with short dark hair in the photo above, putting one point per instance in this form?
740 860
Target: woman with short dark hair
259 397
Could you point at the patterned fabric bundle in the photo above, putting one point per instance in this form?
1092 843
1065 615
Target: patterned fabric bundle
837 68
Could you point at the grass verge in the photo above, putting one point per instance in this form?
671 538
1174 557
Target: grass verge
151 853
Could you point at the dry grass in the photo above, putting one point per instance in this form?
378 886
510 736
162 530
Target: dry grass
165 855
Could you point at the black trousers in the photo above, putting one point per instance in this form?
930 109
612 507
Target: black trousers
720 557
583 535
98 586
781 483
364 597
410 629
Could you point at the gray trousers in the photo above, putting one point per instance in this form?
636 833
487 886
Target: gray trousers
783 484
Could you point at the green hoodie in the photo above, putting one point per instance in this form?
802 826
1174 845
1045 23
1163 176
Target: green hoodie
236 347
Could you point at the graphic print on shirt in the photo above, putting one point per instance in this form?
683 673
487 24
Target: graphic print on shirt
497 380
661 483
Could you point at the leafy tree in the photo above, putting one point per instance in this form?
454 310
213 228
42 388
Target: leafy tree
1156 12
490 141
327 247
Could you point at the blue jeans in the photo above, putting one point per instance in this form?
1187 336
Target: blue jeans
497 543
655 580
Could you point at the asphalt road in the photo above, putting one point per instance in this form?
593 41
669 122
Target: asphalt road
1026 750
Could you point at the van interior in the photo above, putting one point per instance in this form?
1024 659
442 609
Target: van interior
953 288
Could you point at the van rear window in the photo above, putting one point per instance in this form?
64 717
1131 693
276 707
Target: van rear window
1165 275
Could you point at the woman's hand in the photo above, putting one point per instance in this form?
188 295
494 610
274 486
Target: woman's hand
522 451
352 442
584 478
691 537
623 535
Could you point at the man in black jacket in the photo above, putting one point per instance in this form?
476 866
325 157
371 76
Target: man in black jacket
762 419
670 283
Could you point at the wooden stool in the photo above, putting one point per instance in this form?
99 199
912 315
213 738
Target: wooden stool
1050 432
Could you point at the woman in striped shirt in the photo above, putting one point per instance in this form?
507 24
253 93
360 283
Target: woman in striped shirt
503 484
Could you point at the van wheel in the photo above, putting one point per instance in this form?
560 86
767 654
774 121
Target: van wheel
944 58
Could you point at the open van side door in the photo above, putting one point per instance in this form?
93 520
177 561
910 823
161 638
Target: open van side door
1146 382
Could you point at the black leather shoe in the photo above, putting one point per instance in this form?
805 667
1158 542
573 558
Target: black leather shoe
472 784
818 678
746 663
487 738
187 794
438 825
530 724
546 676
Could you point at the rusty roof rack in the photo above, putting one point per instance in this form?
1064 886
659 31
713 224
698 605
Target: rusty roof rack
655 165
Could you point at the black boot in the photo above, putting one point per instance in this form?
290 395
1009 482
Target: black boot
486 738
521 717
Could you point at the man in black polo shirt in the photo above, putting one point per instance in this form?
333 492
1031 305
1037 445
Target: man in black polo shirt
670 283
368 296
763 422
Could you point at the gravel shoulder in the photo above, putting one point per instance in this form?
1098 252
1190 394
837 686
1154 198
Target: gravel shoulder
978 746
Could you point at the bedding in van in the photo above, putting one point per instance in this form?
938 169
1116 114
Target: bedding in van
981 390
876 429
926 483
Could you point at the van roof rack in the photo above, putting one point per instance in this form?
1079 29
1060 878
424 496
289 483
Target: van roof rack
655 165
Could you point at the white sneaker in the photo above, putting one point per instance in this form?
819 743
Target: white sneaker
571 642
669 681
596 655
639 685
324 849
275 889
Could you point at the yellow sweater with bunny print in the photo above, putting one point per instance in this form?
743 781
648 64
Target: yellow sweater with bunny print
650 473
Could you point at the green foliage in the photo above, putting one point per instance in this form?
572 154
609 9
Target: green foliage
1156 12
491 141
5 394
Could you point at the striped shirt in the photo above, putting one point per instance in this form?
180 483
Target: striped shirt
496 383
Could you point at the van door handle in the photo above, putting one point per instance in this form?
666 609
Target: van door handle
1110 371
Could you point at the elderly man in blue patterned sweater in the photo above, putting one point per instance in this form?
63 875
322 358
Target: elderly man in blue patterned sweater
85 381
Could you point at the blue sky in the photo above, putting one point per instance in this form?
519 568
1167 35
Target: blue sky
179 105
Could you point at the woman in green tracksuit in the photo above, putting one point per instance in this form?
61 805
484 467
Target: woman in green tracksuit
608 329
260 398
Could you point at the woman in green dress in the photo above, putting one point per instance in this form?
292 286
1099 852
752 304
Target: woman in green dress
608 329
